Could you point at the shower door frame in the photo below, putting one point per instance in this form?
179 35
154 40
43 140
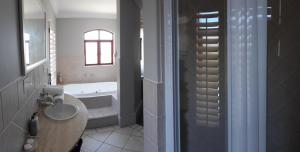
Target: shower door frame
171 73
171 76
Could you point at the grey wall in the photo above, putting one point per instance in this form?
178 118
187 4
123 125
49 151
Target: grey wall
18 94
150 13
154 115
129 76
283 104
70 51
9 42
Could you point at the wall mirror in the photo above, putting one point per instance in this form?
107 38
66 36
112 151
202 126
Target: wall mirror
33 34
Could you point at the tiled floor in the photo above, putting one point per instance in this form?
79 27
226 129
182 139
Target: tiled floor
114 139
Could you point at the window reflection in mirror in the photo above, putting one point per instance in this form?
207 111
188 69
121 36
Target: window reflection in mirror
34 32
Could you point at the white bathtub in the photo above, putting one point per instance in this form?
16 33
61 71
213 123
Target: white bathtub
86 90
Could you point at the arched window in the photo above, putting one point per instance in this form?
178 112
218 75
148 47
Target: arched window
98 48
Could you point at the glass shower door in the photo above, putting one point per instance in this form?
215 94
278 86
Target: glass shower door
201 39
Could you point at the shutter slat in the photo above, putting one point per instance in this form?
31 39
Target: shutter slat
207 15
208 104
209 41
209 78
207 49
210 32
211 24
207 98
210 111
208 91
209 56
209 71
52 56
208 117
208 63
214 85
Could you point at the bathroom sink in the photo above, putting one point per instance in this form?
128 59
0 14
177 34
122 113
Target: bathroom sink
61 111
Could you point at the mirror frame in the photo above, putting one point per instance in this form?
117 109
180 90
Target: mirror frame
24 68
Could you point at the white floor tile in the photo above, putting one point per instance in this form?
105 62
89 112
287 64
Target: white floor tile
134 126
138 132
100 136
124 131
125 150
90 144
135 143
116 139
108 148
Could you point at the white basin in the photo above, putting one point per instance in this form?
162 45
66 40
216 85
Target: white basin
61 111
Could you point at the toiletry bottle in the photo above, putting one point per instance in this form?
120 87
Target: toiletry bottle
34 125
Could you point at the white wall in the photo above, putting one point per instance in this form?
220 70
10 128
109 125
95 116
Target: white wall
70 50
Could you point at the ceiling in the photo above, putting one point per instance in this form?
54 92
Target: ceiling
85 8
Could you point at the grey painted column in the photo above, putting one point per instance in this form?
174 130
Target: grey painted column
154 115
129 61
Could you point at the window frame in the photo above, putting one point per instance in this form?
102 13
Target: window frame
99 41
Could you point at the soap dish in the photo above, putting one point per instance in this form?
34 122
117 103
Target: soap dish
30 144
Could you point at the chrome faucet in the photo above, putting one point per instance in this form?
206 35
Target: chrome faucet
45 101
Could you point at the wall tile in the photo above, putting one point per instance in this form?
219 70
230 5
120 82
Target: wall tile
32 105
29 85
37 78
149 146
154 130
153 97
1 118
21 94
12 139
161 132
160 100
23 116
150 127
150 96
10 103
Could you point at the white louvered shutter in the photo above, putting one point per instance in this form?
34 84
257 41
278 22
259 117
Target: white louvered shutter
207 70
52 54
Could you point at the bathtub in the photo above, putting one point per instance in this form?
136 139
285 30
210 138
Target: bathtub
88 90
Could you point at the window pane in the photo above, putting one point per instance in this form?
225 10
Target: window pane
106 35
93 35
26 48
91 52
26 53
106 52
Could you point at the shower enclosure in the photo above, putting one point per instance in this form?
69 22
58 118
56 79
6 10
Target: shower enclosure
236 73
